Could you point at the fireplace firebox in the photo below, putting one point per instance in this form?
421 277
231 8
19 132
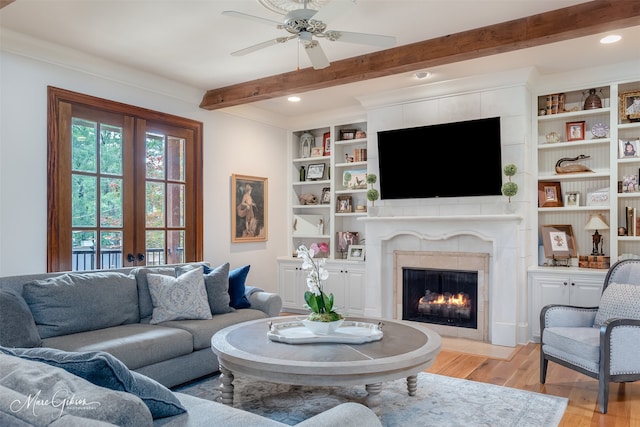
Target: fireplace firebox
443 297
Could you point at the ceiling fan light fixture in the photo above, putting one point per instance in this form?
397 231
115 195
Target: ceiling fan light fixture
285 6
422 75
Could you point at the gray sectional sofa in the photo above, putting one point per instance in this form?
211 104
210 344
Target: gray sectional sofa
112 311
112 342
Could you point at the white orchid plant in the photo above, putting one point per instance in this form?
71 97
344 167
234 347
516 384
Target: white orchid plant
320 304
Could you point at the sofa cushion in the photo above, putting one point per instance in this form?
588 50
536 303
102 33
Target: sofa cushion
41 383
619 300
77 302
237 278
580 346
203 330
178 298
216 282
136 345
144 296
104 370
17 327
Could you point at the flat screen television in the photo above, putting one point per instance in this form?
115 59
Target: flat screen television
460 159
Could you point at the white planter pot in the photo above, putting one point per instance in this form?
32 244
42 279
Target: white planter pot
322 328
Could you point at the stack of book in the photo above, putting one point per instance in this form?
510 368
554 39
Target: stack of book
594 261
633 227
359 154
556 103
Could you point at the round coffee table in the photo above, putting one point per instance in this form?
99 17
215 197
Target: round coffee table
405 349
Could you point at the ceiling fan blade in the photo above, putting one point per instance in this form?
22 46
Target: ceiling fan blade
333 9
262 45
316 55
360 38
254 18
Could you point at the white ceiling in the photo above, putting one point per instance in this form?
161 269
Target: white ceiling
190 41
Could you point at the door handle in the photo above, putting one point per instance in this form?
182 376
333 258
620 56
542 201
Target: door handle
140 257
130 258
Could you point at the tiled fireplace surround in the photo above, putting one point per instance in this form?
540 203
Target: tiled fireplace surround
492 235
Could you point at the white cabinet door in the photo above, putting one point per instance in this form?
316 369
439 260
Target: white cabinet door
579 288
346 282
335 285
355 289
586 292
292 285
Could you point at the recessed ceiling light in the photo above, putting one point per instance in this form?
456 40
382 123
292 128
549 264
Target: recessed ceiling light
610 39
422 75
293 99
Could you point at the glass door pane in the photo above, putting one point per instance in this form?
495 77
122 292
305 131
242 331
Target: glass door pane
96 201
165 188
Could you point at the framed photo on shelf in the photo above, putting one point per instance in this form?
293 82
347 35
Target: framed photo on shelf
249 206
630 105
326 143
598 197
317 151
575 131
344 204
354 179
325 199
571 199
549 195
355 253
629 148
346 134
345 240
558 241
315 171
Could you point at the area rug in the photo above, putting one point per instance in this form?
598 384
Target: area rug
440 401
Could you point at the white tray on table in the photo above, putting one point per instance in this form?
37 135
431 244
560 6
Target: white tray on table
350 332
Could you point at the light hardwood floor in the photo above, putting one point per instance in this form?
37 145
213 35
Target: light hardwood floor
521 370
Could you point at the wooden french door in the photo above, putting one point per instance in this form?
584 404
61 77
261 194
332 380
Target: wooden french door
125 185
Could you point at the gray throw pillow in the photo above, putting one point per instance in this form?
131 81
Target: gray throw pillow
30 379
17 327
104 370
216 282
619 301
178 298
79 302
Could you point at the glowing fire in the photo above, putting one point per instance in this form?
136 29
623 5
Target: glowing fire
445 305
460 299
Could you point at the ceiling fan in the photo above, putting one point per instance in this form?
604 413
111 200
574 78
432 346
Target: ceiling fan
305 24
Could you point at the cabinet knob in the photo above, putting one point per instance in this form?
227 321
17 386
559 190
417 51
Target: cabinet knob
565 283
573 284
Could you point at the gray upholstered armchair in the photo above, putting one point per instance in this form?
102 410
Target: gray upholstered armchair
601 342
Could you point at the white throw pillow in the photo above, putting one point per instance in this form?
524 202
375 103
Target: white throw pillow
619 301
178 298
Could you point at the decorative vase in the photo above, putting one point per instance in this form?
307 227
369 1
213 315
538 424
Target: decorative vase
322 328
593 101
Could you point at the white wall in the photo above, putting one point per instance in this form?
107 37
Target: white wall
231 145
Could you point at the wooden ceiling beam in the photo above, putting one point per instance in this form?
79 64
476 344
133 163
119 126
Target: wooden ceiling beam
550 27
4 3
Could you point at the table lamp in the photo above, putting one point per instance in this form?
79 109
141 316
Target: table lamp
596 222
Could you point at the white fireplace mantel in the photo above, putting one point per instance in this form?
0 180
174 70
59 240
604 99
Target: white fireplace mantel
497 235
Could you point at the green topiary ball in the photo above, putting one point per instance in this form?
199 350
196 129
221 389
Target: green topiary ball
371 178
509 189
372 195
510 169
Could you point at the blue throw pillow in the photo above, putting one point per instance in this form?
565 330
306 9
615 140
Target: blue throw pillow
104 370
237 278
